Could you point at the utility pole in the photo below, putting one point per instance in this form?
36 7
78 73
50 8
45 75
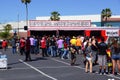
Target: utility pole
18 24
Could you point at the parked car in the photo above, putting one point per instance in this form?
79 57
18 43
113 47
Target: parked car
0 44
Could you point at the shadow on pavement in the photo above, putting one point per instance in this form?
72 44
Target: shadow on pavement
41 58
14 63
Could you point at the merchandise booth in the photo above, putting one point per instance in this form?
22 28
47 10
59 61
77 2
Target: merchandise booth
103 32
70 28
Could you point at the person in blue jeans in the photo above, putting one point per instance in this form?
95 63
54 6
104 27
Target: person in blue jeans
65 51
60 46
53 47
36 45
13 43
65 54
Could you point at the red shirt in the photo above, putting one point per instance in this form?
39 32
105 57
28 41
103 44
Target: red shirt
4 43
65 45
43 43
22 43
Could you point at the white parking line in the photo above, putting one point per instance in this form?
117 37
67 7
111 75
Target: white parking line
38 70
83 68
40 67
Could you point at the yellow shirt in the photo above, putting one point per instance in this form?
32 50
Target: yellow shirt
73 41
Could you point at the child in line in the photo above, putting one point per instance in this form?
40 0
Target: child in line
109 61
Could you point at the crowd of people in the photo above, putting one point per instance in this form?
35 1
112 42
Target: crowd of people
93 52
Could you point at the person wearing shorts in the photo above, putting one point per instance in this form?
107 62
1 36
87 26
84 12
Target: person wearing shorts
115 50
102 56
89 56
102 59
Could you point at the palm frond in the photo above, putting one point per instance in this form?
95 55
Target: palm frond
25 1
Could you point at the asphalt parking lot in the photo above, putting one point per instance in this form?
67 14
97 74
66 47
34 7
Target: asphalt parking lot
48 68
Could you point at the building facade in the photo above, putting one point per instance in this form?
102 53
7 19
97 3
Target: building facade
88 25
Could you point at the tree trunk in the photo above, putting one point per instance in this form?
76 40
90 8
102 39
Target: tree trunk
26 14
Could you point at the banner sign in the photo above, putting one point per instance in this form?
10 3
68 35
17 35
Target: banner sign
112 32
3 61
61 23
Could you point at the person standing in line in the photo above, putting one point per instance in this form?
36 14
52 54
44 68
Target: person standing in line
22 46
109 60
27 50
94 48
4 45
13 43
102 59
78 44
65 54
36 45
68 41
17 45
60 46
88 52
32 44
53 47
84 46
73 55
115 50
73 41
48 45
73 50
43 47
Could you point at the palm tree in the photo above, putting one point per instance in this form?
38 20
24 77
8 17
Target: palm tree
26 2
55 16
105 14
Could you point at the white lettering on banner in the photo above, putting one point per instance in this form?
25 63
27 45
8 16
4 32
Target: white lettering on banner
63 23
112 32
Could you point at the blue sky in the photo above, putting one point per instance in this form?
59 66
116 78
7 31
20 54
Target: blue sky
11 8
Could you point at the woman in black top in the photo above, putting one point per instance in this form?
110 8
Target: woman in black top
94 48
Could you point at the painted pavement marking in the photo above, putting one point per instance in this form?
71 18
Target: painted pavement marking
84 68
38 70
40 67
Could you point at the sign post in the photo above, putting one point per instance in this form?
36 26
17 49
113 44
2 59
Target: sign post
3 61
